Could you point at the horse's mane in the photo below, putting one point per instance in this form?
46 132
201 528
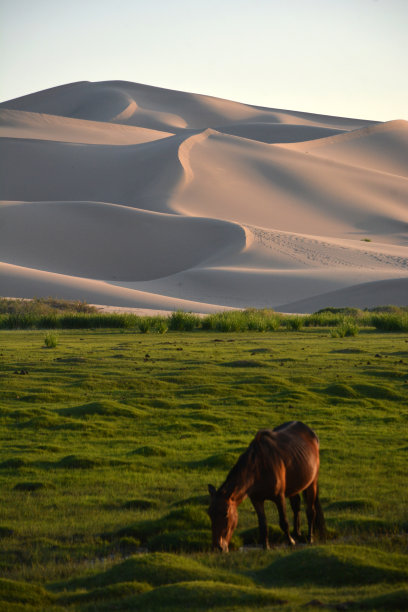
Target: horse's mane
250 464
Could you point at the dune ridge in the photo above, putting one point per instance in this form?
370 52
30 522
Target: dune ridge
136 196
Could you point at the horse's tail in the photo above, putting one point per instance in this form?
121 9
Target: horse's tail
320 523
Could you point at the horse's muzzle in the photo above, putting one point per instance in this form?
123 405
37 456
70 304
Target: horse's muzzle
221 547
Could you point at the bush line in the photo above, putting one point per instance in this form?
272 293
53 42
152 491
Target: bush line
343 321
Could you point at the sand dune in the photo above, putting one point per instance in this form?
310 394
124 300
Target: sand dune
37 126
395 291
136 196
381 147
154 107
276 187
136 175
23 282
126 243
274 133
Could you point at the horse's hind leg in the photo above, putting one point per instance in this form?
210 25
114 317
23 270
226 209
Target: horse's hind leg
309 495
283 521
295 503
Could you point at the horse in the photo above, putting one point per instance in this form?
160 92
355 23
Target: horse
278 463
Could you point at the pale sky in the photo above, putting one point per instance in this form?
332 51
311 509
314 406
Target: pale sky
336 57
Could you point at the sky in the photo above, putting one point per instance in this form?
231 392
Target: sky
335 57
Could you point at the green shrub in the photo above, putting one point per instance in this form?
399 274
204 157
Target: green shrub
250 319
294 323
183 321
51 340
348 327
43 306
390 322
144 325
273 323
160 325
323 319
390 308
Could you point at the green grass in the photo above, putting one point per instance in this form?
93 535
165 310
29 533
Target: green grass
50 340
49 313
109 440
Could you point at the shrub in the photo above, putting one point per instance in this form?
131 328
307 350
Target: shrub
388 322
273 323
43 306
294 323
241 320
323 319
348 327
144 325
183 321
161 325
51 340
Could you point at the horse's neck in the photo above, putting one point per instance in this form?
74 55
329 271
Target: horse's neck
237 485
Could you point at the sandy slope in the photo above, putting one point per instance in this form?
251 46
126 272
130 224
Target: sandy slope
38 126
124 194
155 108
140 175
381 147
276 187
109 241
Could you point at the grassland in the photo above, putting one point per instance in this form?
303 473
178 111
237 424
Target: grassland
110 437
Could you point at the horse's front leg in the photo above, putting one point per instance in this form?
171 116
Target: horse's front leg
263 527
283 521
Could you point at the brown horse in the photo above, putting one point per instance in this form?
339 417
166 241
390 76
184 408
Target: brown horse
278 463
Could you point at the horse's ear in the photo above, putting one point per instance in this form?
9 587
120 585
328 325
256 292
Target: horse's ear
212 490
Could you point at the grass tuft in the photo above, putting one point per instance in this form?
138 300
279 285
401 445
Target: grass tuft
395 600
106 408
347 328
341 390
73 462
158 568
200 595
105 594
14 592
332 566
51 340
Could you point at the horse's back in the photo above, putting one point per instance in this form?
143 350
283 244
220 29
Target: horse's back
296 446
290 433
296 428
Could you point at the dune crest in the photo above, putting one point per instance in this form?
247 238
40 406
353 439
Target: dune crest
136 196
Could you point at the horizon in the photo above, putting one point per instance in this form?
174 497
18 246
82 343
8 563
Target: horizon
319 58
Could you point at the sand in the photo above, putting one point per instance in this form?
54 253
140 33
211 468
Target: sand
134 196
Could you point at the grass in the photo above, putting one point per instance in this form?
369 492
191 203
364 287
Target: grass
109 440
347 327
50 313
50 340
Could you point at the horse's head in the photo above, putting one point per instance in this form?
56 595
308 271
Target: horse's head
224 518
